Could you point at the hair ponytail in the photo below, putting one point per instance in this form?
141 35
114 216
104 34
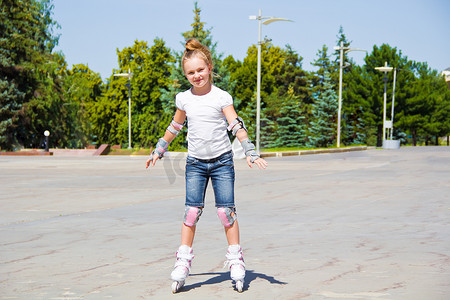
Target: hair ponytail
194 48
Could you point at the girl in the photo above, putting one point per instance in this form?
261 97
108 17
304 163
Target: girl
207 109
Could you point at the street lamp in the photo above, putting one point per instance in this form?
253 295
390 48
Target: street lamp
393 102
46 134
386 124
267 21
341 49
128 75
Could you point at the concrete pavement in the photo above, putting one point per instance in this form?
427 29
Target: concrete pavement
359 225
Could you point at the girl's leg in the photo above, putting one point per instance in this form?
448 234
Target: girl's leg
222 177
187 235
232 233
196 184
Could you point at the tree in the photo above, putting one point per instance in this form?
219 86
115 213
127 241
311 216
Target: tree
47 109
82 90
421 113
150 68
374 87
324 111
341 38
355 107
282 80
441 115
285 121
26 44
325 68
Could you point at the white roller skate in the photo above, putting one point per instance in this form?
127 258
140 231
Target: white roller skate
235 262
182 267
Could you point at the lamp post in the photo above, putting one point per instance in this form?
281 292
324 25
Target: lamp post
267 21
46 134
385 69
128 75
341 50
393 102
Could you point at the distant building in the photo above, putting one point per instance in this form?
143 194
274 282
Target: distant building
446 73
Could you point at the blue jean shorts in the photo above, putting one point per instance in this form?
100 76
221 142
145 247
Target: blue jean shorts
221 172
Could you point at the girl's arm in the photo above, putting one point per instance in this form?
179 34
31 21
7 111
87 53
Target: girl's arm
179 117
241 134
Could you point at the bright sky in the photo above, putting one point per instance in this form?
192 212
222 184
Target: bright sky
92 30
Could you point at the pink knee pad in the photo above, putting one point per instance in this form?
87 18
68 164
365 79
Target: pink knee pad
191 215
225 215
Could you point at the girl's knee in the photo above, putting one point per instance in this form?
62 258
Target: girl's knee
227 215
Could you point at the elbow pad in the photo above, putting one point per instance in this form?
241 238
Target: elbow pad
237 124
175 127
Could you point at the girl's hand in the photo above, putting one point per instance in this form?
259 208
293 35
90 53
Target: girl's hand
151 160
261 163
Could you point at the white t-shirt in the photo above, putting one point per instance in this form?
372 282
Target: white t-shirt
207 126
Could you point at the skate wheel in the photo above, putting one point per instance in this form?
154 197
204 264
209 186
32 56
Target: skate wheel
240 286
176 286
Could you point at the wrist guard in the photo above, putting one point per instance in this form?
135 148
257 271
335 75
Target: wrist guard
249 150
160 148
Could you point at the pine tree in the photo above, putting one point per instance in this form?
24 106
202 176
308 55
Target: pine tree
323 125
325 67
291 131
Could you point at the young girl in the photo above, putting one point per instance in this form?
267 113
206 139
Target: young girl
207 109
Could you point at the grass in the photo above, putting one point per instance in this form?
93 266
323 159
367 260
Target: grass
139 151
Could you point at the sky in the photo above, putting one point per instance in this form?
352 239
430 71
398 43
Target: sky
92 30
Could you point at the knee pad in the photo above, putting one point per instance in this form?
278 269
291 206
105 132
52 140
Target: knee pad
191 215
227 215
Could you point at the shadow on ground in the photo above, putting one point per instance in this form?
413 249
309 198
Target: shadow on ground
250 275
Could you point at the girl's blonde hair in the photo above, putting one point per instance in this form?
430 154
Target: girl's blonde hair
195 48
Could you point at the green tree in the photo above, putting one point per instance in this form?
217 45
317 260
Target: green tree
151 70
282 78
322 131
421 114
325 68
442 111
285 121
354 107
347 60
272 74
47 109
82 90
26 43
374 88
353 103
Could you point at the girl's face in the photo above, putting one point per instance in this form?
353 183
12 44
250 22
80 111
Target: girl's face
197 71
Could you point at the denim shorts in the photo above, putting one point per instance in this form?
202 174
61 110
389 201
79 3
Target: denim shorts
221 172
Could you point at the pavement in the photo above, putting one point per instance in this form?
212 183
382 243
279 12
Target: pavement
370 224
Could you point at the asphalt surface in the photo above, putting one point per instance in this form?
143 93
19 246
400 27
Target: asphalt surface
370 224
